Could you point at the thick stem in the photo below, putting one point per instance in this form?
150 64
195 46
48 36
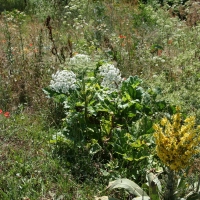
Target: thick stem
169 194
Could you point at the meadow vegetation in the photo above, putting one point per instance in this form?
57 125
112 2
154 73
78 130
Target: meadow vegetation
96 93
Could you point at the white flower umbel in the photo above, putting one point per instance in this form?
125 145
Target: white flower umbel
79 59
111 76
63 81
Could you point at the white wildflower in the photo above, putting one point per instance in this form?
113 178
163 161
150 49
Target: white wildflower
79 59
63 81
111 76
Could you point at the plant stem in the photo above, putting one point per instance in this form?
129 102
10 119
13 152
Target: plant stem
169 194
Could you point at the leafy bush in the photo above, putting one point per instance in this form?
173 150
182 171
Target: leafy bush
108 116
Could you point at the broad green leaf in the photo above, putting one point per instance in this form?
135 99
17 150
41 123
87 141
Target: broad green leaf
130 84
126 97
127 184
127 157
136 144
131 114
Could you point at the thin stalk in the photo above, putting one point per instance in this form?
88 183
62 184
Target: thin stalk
21 42
9 52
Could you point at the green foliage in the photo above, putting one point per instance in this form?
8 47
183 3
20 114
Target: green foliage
99 135
10 5
156 191
28 168
111 124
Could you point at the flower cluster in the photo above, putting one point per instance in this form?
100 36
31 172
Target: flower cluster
76 9
6 114
63 81
79 59
111 76
176 142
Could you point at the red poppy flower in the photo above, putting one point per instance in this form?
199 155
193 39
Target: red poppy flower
1 111
7 114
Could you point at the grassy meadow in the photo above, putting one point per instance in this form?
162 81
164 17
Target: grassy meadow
94 91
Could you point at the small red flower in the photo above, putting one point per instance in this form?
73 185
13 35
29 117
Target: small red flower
7 114
30 45
122 36
1 111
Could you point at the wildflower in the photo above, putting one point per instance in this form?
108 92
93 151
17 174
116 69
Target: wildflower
122 36
7 114
79 59
169 41
111 76
176 142
1 111
63 81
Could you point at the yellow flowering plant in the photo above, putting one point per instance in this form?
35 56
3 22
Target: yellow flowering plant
176 140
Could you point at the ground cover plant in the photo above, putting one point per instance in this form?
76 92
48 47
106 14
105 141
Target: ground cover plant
96 93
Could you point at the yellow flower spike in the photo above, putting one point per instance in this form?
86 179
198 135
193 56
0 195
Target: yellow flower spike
176 142
163 121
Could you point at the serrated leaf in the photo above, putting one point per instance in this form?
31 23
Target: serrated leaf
127 184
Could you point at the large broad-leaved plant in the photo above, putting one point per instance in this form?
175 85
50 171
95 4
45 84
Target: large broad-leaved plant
114 118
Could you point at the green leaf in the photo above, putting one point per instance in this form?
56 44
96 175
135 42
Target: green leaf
131 114
127 157
95 148
141 158
161 105
130 85
106 125
181 183
129 185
